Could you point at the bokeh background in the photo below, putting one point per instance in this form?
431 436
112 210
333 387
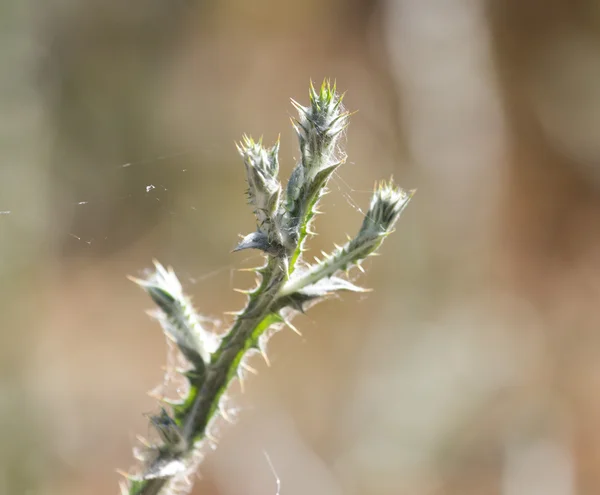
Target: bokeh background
473 367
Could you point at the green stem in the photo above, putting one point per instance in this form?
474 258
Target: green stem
244 335
306 214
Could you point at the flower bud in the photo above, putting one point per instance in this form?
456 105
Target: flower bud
387 204
319 127
262 167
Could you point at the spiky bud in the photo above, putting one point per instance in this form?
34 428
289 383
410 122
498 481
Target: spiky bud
319 127
262 167
387 203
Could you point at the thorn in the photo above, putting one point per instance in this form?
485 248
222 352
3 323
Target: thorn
161 269
295 125
143 441
255 269
340 98
139 454
225 415
211 437
155 395
243 291
298 306
358 265
124 474
325 255
154 313
139 281
294 329
170 402
300 108
248 368
232 313
241 380
265 357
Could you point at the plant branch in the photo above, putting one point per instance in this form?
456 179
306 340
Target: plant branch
283 219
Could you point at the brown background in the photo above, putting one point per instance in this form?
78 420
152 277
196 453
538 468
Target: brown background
474 367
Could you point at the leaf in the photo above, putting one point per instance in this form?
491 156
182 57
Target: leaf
169 432
312 293
259 240
328 286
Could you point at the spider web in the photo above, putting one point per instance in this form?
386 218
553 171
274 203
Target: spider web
153 192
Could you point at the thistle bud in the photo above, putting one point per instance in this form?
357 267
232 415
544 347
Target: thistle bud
262 167
387 204
319 127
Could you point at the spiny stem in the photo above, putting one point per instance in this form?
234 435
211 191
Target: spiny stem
226 360
374 230
283 218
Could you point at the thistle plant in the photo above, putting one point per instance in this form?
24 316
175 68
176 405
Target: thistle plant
286 285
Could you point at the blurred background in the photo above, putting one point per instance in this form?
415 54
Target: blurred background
473 367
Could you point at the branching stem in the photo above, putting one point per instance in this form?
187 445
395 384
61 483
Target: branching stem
283 224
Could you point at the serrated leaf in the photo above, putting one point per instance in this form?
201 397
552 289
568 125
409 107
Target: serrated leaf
311 293
177 316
